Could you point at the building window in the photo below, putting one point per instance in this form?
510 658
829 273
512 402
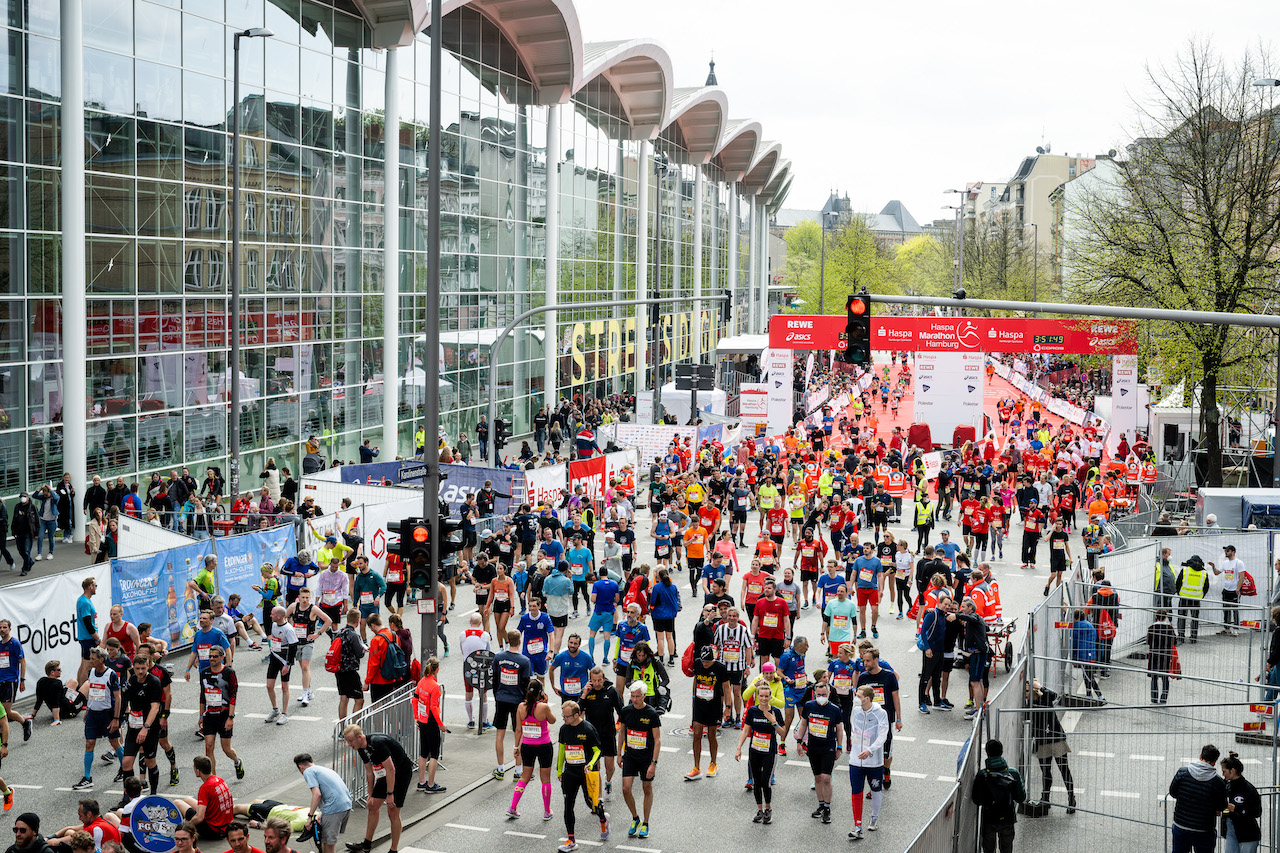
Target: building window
250 153
286 271
193 268
193 199
251 214
251 269
213 211
217 268
273 274
273 209
290 208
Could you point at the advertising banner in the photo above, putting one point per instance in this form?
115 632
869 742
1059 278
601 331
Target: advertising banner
948 391
240 559
153 588
344 522
374 526
932 464
43 614
712 432
753 402
1124 399
649 440
546 485
777 365
588 473
465 479
959 334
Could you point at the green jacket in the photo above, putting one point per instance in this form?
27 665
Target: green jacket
998 789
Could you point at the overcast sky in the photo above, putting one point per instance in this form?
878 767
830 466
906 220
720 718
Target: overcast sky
903 100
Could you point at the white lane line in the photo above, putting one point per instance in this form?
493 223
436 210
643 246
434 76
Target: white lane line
790 763
1088 754
1146 758
182 711
255 684
904 739
904 774
946 778
291 716
467 826
524 834
668 716
934 742
582 841
26 787
664 749
1125 795
637 849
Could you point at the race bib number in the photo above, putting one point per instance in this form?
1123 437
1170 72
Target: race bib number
705 692
276 645
1059 544
662 550
842 681
637 739
424 709
537 646
366 597
395 575
771 620
761 743
202 651
530 730
329 598
97 694
624 654
819 727
788 596
878 696
4 660
573 686
777 528
807 551
902 573
802 680
575 753
501 595
509 677
732 653
379 772
866 575
71 695
136 719
212 697
754 589
742 504
840 622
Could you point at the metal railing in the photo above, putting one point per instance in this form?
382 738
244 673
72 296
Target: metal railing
390 715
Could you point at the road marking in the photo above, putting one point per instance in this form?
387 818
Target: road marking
467 826
1087 754
791 763
945 742
254 684
904 738
1146 758
946 778
524 834
668 715
671 749
416 850
182 711
904 774
1126 795
637 849
582 841
26 787
291 716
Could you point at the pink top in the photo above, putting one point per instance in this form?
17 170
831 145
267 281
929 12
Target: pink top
534 731
725 547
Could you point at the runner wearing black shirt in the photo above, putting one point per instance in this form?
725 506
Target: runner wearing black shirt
218 688
640 742
576 762
600 705
760 726
140 701
709 677
824 722
387 769
885 685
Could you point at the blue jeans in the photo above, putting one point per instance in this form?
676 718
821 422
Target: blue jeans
1231 845
1186 841
49 528
1273 679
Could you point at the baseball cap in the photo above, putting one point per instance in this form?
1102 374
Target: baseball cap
1228 547
708 653
768 667
609 535
485 534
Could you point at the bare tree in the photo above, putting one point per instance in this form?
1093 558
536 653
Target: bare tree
1192 220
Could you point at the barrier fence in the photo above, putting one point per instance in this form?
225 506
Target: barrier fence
391 715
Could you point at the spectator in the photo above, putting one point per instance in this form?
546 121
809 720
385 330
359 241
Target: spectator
998 789
1200 794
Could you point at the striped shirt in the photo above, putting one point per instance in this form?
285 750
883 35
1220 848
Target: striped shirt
733 644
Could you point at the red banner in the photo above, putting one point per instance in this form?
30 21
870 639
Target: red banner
589 473
960 334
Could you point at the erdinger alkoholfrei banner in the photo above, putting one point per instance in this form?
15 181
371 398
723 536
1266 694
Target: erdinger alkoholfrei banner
961 334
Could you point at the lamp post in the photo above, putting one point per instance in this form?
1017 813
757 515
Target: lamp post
1271 82
822 266
233 425
958 291
1035 256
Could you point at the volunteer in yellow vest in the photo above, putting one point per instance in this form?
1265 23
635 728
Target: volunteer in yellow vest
1192 584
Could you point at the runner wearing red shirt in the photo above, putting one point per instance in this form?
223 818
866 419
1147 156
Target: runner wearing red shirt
767 554
980 523
776 525
967 506
751 589
771 624
809 555
213 807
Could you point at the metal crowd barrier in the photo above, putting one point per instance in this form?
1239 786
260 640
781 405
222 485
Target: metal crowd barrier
390 715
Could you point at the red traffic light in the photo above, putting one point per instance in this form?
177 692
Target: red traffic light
857 306
421 533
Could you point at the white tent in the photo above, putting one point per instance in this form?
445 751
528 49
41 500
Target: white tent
679 403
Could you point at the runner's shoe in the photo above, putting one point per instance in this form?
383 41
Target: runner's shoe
604 827
693 775
633 828
85 784
239 769
8 798
568 847
711 771
173 777
271 717
644 831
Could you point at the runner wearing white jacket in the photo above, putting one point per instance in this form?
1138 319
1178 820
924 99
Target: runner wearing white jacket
869 728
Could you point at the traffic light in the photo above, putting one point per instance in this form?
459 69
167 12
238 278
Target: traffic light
499 433
415 550
858 329
450 539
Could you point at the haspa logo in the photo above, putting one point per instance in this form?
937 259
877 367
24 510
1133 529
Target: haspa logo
967 333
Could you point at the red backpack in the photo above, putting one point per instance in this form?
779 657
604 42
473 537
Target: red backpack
1106 627
1247 587
333 657
686 661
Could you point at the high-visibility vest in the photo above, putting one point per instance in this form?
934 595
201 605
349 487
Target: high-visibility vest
924 510
1133 472
1148 474
897 484
1192 583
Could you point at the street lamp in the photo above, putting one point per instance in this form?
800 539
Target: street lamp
958 292
822 267
1272 82
233 427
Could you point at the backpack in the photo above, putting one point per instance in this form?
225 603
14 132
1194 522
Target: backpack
394 666
686 661
999 789
1247 586
333 657
1106 627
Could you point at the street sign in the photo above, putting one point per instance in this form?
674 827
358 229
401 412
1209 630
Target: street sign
152 823
1250 623
477 670
426 605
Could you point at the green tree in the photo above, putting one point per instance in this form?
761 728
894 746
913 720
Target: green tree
1192 222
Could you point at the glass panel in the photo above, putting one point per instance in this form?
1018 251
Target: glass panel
109 266
159 150
11 133
109 24
43 206
44 67
204 100
110 204
282 65
158 33
12 323
205 156
111 446
205 431
12 262
44 392
43 18
109 142
159 93
45 461
159 209
160 268
45 264
202 44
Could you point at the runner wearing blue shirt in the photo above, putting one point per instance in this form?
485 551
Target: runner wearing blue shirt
661 533
570 669
549 546
947 549
866 570
13 674
628 633
604 608
795 679
581 566
535 632
713 571
206 637
296 570
86 624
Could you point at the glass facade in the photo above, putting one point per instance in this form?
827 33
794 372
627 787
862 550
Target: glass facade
158 146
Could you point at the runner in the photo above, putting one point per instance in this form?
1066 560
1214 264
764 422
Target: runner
284 650
629 633
101 689
511 676
1059 556
640 743
885 684
868 730
771 626
867 570
810 553
761 724
577 757
796 680
605 598
822 726
601 703
534 718
309 622
535 631
388 773
142 698
708 676
219 687
570 669
160 671
735 650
